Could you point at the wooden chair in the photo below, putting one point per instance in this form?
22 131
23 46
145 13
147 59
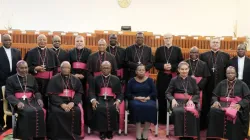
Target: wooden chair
8 112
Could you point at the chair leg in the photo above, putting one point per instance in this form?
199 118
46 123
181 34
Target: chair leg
119 132
126 123
156 126
89 130
167 124
5 120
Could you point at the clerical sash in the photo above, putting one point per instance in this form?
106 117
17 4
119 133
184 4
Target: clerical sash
67 93
198 79
59 69
44 75
174 74
79 65
230 112
20 95
97 73
182 96
120 72
106 91
189 108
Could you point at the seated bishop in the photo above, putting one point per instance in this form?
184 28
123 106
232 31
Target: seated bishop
65 118
22 93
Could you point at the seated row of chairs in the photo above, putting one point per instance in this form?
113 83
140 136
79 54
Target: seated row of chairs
123 123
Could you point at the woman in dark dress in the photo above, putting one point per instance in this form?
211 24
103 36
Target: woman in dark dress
141 93
183 94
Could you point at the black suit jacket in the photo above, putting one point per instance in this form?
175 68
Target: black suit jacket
5 65
246 71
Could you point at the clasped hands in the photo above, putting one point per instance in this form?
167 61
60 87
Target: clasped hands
167 66
175 103
142 99
67 107
20 105
216 104
80 76
95 103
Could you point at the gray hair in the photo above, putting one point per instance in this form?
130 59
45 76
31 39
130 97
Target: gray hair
182 63
65 62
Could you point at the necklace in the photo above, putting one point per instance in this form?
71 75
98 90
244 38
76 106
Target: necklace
25 86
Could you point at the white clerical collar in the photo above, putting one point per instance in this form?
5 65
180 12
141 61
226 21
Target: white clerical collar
42 48
194 59
56 48
241 57
112 46
215 51
20 75
168 46
106 75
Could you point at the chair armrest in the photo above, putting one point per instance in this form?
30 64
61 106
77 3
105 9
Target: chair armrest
126 104
157 104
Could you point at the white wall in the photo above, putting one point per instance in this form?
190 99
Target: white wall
189 17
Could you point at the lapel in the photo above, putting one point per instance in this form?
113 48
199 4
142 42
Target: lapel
5 57
236 63
245 63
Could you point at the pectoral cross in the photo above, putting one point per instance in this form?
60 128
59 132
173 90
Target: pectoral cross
227 98
66 92
213 69
43 65
24 97
105 95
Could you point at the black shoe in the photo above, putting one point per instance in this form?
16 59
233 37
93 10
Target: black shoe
109 135
102 135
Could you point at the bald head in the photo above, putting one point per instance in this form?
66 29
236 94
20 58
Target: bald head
21 62
194 49
168 39
65 68
194 53
7 41
102 45
42 41
56 40
79 42
106 68
65 64
106 63
231 68
102 41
